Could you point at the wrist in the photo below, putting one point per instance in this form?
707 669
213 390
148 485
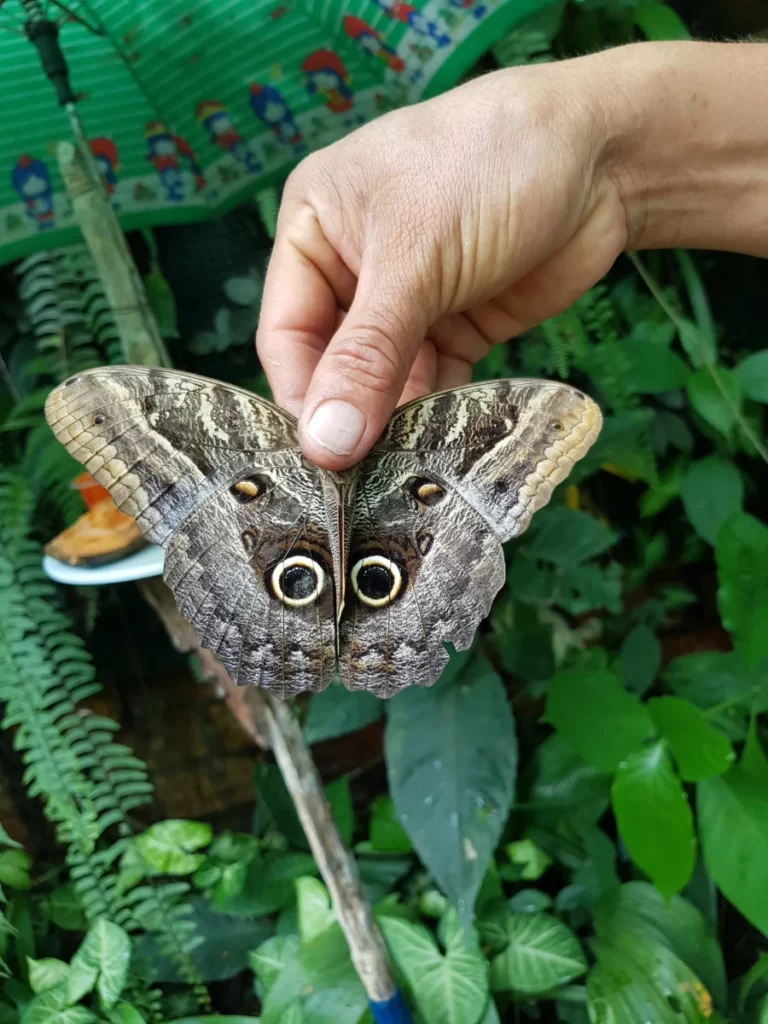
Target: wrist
686 142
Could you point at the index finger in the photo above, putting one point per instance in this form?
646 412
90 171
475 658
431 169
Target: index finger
306 285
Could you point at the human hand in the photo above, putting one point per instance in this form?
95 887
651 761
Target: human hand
407 249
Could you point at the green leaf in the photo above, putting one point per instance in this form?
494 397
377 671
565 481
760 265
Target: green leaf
567 537
219 1019
322 980
601 721
52 1007
44 974
268 960
733 826
699 749
640 910
709 678
379 873
742 571
711 490
340 799
565 788
752 375
337 711
104 954
124 1013
717 399
162 303
541 954
653 368
533 862
451 757
640 658
387 834
14 869
450 988
636 980
654 818
658 22
269 884
529 901
222 943
169 845
276 808
63 908
314 908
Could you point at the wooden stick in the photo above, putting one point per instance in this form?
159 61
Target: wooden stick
123 287
261 713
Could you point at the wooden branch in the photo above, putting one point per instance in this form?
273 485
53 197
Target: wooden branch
257 712
123 287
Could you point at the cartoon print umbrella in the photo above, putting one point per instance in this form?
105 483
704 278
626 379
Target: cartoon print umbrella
190 106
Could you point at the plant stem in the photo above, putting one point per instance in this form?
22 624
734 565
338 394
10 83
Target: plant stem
657 293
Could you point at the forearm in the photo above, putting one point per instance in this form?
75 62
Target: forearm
688 142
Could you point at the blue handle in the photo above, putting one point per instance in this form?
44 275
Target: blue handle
392 1011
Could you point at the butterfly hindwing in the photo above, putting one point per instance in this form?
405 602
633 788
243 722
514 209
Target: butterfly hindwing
454 476
215 475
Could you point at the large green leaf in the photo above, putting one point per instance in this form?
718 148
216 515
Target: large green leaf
699 749
313 905
223 943
595 716
742 571
452 758
45 973
716 396
733 826
640 910
269 884
752 374
102 960
565 789
637 981
169 846
541 954
653 368
654 818
711 489
322 979
568 537
448 988
387 834
52 1007
269 959
639 658
337 711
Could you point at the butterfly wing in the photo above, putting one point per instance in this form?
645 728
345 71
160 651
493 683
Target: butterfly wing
214 474
454 476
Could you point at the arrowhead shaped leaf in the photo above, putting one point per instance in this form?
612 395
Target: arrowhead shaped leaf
542 953
449 988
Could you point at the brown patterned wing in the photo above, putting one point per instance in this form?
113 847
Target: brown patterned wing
214 474
454 476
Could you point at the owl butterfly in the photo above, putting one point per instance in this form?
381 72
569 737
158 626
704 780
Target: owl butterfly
292 574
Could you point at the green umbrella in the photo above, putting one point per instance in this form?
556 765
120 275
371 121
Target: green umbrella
190 106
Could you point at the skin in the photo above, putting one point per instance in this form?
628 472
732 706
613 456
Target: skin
408 248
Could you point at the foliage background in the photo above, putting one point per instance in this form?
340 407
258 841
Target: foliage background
572 825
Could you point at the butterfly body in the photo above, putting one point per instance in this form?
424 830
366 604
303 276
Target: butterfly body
292 574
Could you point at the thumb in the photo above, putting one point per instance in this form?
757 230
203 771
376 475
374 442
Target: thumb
361 375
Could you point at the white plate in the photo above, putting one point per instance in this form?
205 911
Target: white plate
145 563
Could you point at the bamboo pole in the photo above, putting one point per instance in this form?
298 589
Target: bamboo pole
140 336
267 719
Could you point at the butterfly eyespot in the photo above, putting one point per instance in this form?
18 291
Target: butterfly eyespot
71 381
425 491
557 425
99 419
376 580
249 489
297 581
249 537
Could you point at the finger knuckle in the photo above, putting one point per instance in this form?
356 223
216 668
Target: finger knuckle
371 358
